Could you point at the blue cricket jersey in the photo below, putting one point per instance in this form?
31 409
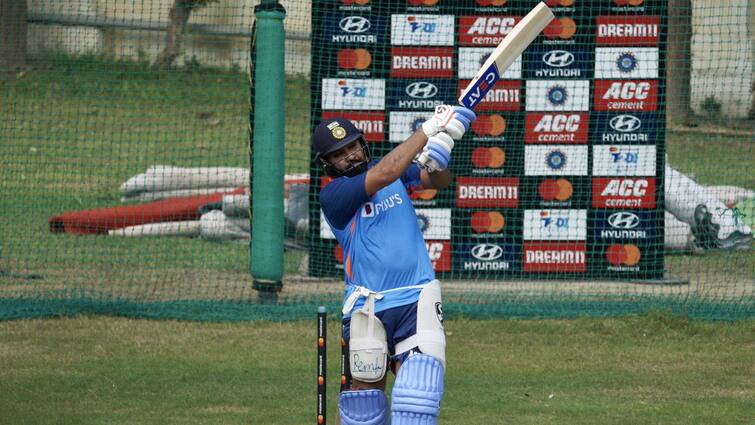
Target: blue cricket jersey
383 247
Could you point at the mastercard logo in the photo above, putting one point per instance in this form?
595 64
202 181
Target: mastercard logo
559 2
628 2
422 2
563 28
423 194
355 1
354 59
489 125
483 157
491 2
487 222
558 190
623 255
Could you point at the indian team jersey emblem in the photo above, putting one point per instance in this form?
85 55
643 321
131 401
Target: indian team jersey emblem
555 159
626 62
336 130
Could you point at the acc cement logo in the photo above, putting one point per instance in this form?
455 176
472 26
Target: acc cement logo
421 90
625 123
487 252
354 24
558 58
623 220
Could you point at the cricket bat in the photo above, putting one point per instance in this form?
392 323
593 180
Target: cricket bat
505 54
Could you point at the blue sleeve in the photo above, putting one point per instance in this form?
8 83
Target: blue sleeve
341 198
411 176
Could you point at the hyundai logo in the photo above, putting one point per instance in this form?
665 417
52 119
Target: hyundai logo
558 58
487 252
625 123
421 90
623 220
354 24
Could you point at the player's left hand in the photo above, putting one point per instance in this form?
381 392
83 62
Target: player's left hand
454 120
436 155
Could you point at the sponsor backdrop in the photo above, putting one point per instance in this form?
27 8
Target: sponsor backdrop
561 175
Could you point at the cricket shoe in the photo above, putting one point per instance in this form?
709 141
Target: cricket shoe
721 229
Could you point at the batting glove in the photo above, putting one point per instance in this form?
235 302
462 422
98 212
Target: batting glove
436 154
454 120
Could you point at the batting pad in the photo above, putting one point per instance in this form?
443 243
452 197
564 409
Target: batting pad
417 392
366 407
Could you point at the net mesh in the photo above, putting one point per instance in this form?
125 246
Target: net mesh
125 128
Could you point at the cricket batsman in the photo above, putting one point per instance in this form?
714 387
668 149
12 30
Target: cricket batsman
392 311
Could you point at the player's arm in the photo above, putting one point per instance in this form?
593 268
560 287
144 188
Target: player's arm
393 165
431 145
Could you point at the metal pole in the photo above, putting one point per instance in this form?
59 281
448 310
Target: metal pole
267 153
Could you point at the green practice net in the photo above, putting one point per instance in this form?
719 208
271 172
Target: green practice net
609 171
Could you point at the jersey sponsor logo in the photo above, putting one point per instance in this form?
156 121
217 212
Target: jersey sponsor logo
354 29
345 93
492 192
485 30
440 255
435 223
401 125
558 95
563 160
623 160
471 59
637 30
422 30
626 62
370 123
555 257
543 225
568 128
636 95
503 96
623 193
422 62
373 209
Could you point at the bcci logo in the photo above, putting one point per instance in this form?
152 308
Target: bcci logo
556 160
557 95
626 62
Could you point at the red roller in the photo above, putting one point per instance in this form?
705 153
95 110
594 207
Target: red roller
100 220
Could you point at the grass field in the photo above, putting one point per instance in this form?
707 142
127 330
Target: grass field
653 369
72 130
